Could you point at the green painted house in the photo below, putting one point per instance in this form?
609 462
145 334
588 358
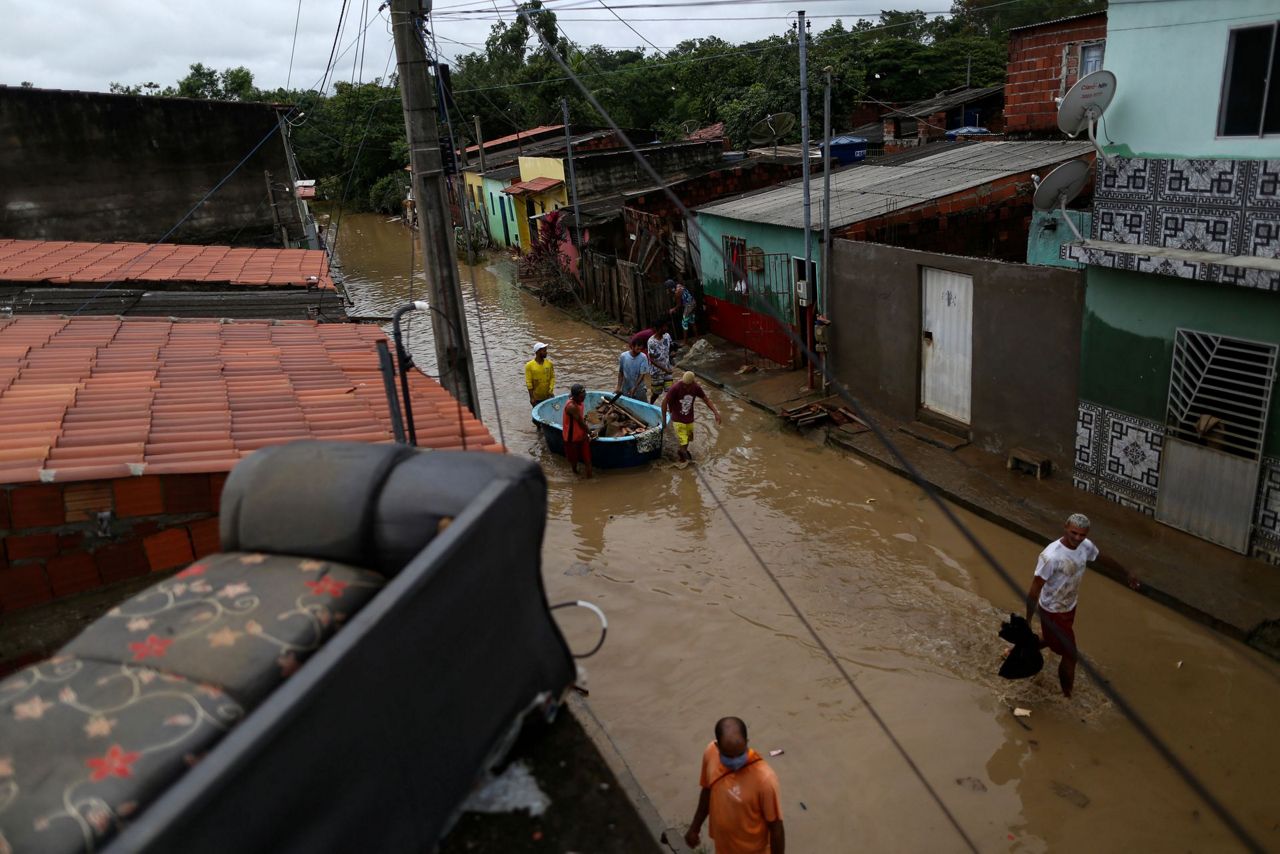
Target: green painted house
1178 415
746 310
499 207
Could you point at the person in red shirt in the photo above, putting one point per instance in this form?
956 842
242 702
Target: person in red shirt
739 794
576 431
679 402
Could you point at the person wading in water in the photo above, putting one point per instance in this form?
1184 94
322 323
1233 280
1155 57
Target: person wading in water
1055 588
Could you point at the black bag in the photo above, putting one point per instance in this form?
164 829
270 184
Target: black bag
1024 659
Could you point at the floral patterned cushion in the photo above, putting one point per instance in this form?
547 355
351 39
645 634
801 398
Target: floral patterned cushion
85 744
244 622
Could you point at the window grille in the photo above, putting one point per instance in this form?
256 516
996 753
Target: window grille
1220 392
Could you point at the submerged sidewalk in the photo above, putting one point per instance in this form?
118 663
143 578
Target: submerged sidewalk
1236 595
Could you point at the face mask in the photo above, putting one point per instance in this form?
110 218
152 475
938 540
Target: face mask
733 763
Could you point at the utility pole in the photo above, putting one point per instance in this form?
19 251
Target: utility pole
479 143
484 205
448 319
573 179
968 72
823 293
460 186
807 296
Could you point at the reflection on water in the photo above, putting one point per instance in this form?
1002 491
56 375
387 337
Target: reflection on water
697 631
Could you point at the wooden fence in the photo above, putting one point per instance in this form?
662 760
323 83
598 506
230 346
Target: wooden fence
621 291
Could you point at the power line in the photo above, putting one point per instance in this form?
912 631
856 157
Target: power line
835 660
275 129
1164 751
337 36
633 69
633 29
297 17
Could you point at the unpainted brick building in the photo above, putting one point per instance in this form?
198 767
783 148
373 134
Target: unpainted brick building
1045 61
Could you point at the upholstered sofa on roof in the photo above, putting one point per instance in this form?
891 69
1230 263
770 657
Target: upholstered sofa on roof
334 680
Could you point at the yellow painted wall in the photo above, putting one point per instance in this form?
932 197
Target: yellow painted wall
541 167
474 191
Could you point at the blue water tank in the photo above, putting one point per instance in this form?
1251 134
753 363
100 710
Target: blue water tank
849 149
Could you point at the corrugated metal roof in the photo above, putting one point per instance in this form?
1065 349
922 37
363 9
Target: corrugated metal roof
61 262
1102 12
512 139
94 398
866 191
946 101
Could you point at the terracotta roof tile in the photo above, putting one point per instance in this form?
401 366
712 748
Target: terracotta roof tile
92 398
52 262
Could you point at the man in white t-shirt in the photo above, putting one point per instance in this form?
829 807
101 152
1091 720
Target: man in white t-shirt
1054 591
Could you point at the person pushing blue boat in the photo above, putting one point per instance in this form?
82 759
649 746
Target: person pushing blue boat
634 379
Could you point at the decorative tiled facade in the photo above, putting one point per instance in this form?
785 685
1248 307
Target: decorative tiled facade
1118 456
1224 207
1266 525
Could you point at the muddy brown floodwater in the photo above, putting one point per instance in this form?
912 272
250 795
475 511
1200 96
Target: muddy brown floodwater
698 631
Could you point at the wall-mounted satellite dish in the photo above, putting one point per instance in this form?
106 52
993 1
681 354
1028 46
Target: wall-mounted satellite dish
1085 104
772 128
689 126
1059 187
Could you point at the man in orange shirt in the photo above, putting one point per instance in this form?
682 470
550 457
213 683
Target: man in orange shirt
740 793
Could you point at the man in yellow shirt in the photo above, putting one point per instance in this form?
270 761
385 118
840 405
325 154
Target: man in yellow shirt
539 375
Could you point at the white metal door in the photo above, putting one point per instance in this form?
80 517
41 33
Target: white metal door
946 349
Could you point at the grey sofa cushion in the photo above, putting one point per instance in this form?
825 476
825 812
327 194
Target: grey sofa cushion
312 499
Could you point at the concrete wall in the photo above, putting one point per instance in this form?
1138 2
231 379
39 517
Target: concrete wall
1048 233
1026 342
497 204
772 239
99 167
1044 62
1169 58
553 199
1130 321
606 172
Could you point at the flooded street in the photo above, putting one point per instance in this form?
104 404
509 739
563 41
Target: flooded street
698 631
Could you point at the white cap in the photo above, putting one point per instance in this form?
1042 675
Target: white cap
538 346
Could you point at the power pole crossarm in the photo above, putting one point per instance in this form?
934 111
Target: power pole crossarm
448 319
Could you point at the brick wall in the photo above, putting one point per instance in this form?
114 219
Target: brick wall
1044 62
56 545
989 221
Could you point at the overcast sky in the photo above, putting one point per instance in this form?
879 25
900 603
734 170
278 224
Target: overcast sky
88 44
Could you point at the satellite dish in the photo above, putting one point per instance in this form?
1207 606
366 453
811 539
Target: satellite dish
688 126
772 128
1059 187
1085 104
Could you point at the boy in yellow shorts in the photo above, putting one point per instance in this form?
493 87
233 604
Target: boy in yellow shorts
679 403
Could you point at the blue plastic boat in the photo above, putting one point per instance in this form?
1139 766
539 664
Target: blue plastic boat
613 452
